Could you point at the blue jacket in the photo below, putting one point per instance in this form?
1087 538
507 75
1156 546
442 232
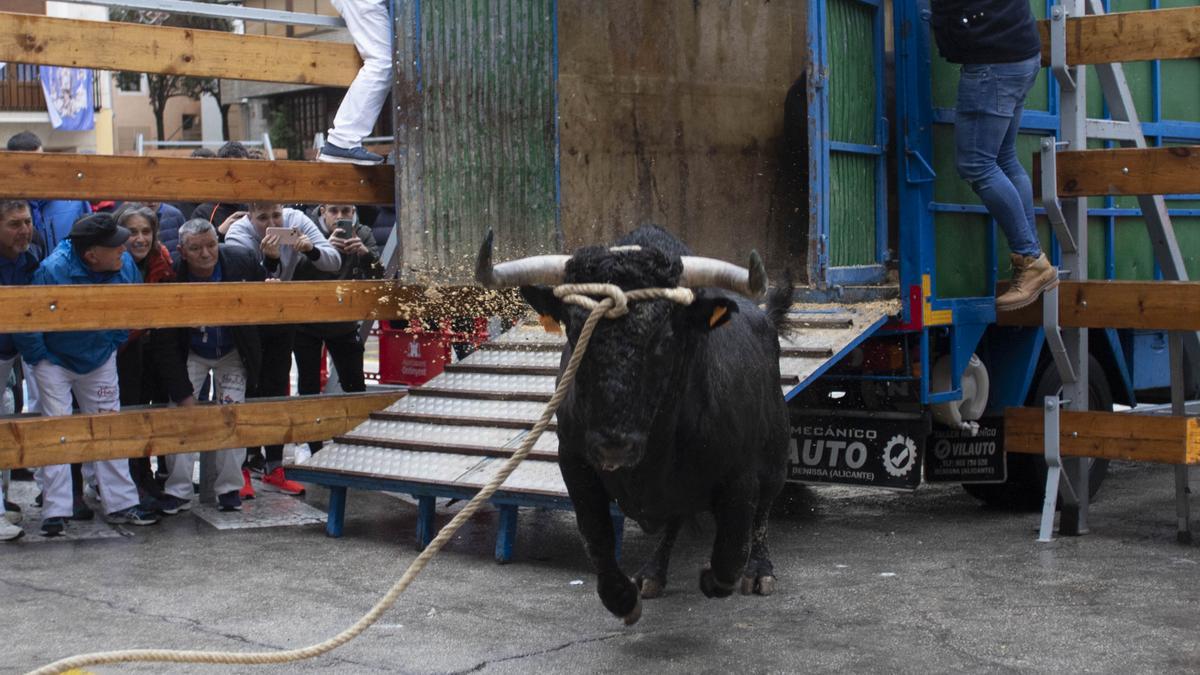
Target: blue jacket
17 272
78 351
54 218
169 220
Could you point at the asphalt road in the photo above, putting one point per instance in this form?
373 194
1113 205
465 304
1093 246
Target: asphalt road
869 581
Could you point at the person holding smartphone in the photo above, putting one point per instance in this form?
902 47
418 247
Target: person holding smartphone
360 260
281 255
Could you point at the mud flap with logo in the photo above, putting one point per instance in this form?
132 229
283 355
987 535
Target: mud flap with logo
956 456
857 448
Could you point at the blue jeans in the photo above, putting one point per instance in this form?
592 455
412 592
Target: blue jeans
991 98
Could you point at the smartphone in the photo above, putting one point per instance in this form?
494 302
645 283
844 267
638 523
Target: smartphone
343 229
287 236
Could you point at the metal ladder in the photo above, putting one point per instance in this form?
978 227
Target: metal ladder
1069 478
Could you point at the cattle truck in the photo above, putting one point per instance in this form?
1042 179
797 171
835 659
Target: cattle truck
820 135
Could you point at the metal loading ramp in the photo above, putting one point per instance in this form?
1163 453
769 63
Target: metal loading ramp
448 438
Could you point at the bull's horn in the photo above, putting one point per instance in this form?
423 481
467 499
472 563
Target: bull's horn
699 272
542 269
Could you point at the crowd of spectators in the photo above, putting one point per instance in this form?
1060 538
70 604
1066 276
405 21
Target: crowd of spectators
49 242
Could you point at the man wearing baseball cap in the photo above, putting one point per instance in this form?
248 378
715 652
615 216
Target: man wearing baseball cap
83 363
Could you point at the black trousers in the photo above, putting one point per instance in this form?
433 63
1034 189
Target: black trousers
346 350
276 372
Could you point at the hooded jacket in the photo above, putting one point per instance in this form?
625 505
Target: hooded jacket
985 31
78 351
243 233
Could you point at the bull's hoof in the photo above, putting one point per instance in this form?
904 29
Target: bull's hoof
764 585
632 617
713 587
651 587
621 597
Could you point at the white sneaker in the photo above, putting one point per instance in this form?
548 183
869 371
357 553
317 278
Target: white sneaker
13 516
8 531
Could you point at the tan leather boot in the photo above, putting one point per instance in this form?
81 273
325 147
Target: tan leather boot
1031 277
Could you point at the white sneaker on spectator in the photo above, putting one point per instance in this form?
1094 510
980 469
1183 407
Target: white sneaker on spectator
8 531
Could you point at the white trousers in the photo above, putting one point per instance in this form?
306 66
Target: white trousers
6 368
96 392
371 29
229 386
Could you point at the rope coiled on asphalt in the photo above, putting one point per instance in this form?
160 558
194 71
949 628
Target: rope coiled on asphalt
615 303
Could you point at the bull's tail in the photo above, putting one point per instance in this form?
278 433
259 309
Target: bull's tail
779 300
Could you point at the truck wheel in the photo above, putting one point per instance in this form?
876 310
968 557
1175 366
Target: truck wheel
1025 488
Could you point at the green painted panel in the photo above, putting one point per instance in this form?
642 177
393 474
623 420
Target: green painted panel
1180 102
853 118
1135 256
488 141
852 86
961 253
852 210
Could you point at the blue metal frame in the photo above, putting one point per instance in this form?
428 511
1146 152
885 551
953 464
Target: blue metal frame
426 493
820 273
916 117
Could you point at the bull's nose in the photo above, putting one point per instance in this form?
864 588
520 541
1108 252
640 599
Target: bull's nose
611 451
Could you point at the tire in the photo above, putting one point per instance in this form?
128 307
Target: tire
1025 488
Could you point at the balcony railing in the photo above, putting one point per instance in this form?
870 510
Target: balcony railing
21 89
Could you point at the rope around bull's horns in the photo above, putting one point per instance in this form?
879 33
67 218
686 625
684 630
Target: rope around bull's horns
614 305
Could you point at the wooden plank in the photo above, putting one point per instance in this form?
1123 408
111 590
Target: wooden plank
110 45
27 175
1129 171
1158 305
1109 435
38 441
1129 36
56 308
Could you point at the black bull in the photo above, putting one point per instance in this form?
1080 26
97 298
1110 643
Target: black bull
675 410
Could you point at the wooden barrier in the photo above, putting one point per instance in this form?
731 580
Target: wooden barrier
1108 435
1157 305
1129 36
38 441
137 48
1129 171
56 308
28 175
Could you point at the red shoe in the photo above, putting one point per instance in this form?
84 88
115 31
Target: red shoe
276 481
247 491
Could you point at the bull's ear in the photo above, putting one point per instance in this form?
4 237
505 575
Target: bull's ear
542 300
707 312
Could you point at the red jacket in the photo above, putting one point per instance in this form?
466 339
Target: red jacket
159 268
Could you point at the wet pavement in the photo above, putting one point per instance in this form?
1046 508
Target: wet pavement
869 581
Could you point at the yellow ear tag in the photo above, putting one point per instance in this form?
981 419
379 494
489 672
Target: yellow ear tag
718 312
549 324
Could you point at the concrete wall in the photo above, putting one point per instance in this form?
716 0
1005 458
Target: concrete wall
133 115
672 112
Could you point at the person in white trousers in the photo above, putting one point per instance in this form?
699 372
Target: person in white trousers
371 29
83 363
184 357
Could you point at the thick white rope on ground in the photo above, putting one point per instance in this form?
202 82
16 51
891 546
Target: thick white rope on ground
614 305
